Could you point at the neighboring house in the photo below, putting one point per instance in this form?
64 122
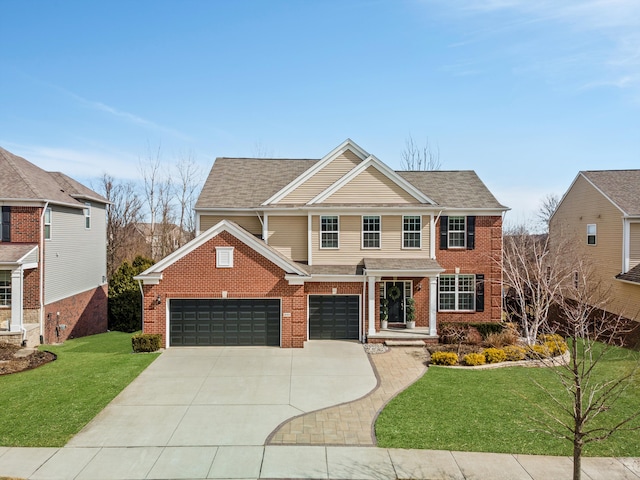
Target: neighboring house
52 255
600 216
162 239
291 250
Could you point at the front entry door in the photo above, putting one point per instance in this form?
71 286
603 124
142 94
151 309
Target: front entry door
395 299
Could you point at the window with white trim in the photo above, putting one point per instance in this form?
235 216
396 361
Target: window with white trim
457 232
87 215
329 232
591 234
47 224
224 257
411 231
5 288
371 231
457 292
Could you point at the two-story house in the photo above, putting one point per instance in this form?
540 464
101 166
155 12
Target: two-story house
291 249
599 216
53 282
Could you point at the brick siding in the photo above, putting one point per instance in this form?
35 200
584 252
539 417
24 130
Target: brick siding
80 315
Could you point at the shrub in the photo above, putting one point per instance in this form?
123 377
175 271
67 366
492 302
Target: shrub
473 359
146 342
556 348
502 339
486 329
473 336
125 299
495 355
537 352
444 358
550 337
514 353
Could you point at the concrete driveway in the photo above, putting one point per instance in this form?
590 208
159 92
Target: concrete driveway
217 396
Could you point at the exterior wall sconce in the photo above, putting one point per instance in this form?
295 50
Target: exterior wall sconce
158 300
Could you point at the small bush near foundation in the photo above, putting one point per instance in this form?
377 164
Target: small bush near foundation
473 359
537 352
514 353
555 343
486 329
501 339
495 355
474 337
146 342
444 358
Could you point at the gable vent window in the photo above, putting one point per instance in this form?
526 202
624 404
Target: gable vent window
224 257
591 234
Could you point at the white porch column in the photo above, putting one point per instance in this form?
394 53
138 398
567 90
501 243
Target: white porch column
433 305
371 296
16 300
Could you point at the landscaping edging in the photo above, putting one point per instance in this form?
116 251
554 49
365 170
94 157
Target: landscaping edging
547 362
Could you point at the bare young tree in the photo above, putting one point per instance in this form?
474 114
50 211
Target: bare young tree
188 184
124 212
415 157
548 206
584 410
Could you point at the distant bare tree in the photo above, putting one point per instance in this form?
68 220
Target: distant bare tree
415 157
261 151
188 185
548 206
123 212
585 410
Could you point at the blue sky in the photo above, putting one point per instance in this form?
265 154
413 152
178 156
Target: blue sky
525 93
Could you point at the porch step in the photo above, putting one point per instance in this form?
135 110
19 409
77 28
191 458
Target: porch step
404 343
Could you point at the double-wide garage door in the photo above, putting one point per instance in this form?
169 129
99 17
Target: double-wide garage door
335 317
201 322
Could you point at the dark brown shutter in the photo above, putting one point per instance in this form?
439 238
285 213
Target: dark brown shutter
6 224
471 233
479 292
444 230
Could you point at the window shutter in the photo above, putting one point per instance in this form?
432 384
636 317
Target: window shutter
6 224
479 292
444 230
471 233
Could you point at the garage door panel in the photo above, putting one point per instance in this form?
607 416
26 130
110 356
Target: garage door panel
334 317
225 322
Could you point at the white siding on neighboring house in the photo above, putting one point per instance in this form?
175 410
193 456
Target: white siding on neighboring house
75 257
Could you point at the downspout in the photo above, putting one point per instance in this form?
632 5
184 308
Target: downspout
41 287
362 328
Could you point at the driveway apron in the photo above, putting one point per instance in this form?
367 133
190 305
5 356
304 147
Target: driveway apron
217 396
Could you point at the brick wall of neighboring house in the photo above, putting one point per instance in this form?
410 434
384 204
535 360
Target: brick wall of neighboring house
484 259
25 224
80 315
31 288
253 276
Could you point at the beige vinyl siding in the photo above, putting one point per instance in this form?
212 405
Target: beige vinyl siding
634 244
250 223
75 257
351 252
371 186
288 235
326 177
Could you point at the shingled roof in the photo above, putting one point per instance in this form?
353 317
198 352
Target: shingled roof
622 187
21 180
248 182
632 275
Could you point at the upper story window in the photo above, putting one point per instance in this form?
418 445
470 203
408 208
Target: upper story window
5 225
5 288
411 231
457 293
87 215
329 232
371 231
47 224
591 234
457 232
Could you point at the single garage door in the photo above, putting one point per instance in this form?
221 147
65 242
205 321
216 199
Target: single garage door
198 322
334 317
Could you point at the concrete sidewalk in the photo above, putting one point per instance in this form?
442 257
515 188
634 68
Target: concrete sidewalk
303 462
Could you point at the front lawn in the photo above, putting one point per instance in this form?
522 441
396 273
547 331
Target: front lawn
45 407
491 410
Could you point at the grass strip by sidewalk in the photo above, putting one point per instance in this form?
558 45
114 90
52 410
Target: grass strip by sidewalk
45 407
491 411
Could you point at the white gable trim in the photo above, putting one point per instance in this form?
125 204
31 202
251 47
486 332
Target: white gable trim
153 274
348 144
372 161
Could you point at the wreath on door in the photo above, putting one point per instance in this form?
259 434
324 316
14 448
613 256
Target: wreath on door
394 293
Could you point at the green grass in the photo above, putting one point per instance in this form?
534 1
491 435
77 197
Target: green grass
492 410
46 406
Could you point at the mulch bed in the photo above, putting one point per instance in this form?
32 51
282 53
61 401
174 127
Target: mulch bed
13 362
